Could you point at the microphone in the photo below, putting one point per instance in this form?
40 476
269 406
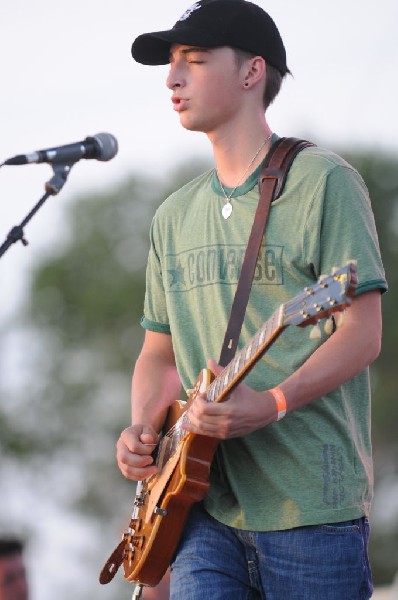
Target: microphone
102 146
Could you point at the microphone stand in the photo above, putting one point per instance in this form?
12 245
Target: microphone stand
53 186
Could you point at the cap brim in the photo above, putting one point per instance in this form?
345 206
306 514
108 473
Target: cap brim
154 48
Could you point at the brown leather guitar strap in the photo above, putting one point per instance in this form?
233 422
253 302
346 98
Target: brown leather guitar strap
271 182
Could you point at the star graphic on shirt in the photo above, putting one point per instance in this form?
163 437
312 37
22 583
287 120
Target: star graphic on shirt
177 275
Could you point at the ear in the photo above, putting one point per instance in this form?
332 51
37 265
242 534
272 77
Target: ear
253 71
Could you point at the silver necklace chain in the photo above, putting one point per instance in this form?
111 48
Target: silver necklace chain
227 208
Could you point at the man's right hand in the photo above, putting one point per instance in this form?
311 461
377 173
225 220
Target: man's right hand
134 451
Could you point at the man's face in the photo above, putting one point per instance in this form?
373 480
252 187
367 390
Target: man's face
13 582
206 85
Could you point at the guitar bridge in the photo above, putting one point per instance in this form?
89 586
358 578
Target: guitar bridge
129 550
139 499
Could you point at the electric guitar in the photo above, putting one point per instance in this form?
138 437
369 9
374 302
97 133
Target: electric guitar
162 501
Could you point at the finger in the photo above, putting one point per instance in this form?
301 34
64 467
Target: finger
199 408
203 410
138 441
129 446
207 429
138 474
134 466
131 458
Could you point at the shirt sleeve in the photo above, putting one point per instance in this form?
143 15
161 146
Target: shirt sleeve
155 316
347 229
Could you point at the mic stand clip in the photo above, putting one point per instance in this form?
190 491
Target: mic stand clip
61 171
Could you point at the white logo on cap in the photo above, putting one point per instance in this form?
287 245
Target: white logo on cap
189 11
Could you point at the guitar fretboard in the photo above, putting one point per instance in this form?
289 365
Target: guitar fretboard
245 359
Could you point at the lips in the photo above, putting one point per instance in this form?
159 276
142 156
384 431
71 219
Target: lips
179 103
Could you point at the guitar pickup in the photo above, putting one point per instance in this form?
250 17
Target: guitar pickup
163 451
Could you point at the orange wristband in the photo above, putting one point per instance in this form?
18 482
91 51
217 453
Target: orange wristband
280 400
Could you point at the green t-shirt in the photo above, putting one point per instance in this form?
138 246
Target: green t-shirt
315 465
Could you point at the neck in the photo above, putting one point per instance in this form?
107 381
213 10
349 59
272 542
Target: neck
233 152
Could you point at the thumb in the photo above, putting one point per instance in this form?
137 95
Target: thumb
214 367
149 435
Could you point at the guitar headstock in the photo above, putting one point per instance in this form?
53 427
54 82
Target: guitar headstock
331 293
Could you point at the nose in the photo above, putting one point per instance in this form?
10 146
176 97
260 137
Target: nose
174 79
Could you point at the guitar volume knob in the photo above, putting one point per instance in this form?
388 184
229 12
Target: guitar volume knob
160 511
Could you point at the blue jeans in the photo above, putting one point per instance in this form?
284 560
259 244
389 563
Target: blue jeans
319 562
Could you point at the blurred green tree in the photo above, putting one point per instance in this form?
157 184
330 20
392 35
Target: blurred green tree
79 336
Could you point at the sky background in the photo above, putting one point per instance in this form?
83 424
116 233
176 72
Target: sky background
67 72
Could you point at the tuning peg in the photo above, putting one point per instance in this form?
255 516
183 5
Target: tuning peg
328 328
316 332
334 270
321 280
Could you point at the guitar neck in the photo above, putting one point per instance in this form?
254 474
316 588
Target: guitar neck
246 358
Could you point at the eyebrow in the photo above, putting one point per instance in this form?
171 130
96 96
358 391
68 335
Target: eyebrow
191 50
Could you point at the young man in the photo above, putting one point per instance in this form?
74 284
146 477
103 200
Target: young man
286 512
13 581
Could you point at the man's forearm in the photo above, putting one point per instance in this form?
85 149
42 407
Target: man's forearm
349 350
155 386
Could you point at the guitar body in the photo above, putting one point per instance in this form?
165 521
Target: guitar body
156 527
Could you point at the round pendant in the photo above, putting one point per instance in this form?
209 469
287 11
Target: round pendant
226 210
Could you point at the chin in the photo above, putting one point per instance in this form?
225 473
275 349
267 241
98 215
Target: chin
191 125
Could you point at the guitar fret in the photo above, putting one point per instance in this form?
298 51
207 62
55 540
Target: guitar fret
268 330
256 343
219 387
241 360
272 323
229 374
216 385
210 392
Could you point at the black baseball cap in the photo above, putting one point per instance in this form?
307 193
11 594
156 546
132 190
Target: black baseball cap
213 23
